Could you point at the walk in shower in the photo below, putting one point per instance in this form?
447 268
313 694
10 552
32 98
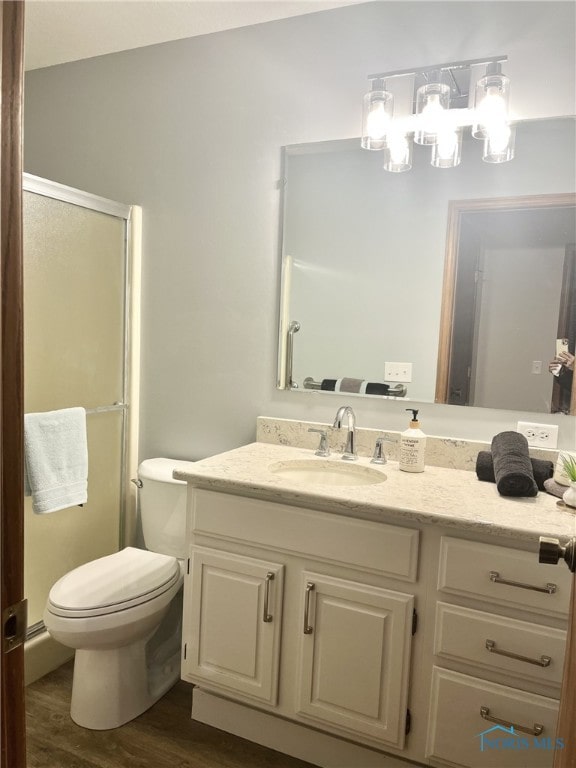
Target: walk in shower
80 296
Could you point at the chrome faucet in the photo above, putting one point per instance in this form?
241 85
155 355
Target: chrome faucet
350 449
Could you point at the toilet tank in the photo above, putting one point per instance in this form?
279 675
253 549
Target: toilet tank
163 506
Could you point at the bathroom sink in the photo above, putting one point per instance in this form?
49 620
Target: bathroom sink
308 471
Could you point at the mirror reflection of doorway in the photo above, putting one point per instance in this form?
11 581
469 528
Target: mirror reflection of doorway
510 291
563 385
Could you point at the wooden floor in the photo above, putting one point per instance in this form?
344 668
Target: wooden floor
163 737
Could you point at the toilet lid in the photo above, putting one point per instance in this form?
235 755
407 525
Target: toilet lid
113 583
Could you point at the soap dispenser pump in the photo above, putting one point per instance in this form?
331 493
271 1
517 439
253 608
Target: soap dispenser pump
412 446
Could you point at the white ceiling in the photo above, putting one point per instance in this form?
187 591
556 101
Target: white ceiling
57 31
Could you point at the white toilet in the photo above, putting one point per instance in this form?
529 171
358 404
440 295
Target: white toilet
123 613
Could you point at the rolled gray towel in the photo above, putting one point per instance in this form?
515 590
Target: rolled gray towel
350 385
357 386
376 388
554 488
541 469
512 465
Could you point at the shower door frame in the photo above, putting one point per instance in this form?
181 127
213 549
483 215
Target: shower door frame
128 403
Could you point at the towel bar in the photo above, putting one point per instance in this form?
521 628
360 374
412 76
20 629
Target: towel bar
107 408
293 328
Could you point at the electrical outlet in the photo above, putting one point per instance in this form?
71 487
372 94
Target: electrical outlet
539 435
398 372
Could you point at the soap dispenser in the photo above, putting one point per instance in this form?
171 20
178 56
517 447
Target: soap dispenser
412 446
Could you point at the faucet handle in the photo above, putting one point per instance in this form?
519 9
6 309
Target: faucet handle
379 457
322 449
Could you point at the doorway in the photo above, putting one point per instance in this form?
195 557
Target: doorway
505 300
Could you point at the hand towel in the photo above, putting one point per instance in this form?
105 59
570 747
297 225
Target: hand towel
56 459
541 469
512 465
554 488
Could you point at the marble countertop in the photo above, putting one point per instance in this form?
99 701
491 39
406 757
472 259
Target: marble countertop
448 497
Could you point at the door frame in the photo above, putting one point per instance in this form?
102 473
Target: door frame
568 296
12 710
566 758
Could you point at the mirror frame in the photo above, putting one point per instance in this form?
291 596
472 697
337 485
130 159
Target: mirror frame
456 209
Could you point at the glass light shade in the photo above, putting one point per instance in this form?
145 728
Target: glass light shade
490 103
398 153
447 152
432 102
378 108
499 144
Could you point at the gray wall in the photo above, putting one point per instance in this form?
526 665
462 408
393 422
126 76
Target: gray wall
192 131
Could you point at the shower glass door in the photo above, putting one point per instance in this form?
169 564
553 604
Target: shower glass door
75 353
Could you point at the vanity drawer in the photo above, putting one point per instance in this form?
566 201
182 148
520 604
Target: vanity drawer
487 640
460 735
504 576
372 547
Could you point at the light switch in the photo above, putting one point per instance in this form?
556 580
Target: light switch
398 372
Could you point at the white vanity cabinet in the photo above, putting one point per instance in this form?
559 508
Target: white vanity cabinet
354 656
301 633
373 625
288 610
498 657
234 615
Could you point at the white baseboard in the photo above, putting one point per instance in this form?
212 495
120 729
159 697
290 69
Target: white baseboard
42 654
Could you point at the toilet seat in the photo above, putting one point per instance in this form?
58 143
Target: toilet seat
113 583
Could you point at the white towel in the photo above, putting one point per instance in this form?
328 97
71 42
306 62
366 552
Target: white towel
56 459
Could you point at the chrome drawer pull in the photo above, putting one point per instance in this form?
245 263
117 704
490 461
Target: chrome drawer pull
307 628
549 588
536 729
543 661
267 617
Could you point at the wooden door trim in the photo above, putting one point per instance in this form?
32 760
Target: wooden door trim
566 757
13 743
456 209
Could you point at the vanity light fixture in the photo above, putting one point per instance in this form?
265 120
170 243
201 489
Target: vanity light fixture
377 115
499 144
432 103
440 111
398 152
447 151
491 101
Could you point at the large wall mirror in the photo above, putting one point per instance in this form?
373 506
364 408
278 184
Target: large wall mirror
462 277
